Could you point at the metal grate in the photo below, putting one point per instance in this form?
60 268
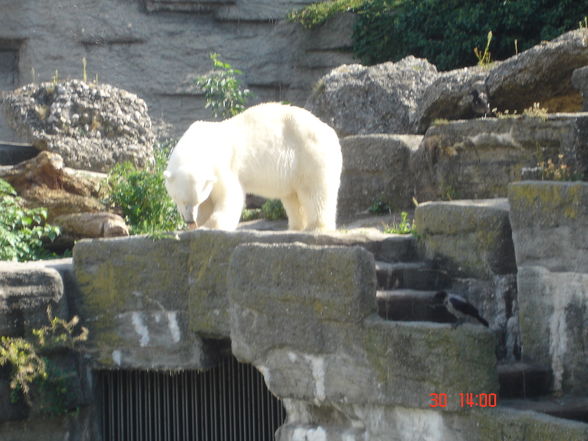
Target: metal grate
226 403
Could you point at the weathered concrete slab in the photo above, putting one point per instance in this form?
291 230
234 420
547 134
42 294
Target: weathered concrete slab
141 296
550 224
371 361
472 237
376 168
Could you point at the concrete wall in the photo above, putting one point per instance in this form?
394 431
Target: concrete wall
156 48
550 231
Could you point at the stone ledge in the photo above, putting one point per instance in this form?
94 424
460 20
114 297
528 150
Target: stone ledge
472 237
140 279
321 358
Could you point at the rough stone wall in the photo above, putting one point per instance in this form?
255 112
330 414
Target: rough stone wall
472 241
150 304
155 48
550 221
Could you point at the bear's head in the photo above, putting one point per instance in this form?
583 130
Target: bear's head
188 191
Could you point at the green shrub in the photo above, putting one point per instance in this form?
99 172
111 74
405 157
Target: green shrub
222 90
447 31
22 230
273 209
28 366
142 196
316 14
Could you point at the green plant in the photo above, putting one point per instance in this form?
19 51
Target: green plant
22 230
316 14
250 214
59 333
444 31
536 111
142 196
222 90
405 226
25 364
379 207
273 209
556 170
28 366
484 58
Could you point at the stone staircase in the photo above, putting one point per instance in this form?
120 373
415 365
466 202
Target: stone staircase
405 291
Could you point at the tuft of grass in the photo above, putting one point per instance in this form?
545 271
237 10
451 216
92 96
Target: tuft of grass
405 226
536 111
484 58
556 170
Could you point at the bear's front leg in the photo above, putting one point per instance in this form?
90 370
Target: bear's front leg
228 198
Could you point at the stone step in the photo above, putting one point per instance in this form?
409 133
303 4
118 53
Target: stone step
410 275
571 408
523 380
411 305
12 153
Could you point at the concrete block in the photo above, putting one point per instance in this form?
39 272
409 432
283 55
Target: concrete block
376 168
472 238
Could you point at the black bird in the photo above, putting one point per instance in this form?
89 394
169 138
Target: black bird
459 307
480 103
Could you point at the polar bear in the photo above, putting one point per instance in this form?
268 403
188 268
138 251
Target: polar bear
271 150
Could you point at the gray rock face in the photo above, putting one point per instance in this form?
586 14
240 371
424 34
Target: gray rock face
156 48
408 96
549 221
356 99
541 74
92 126
376 168
450 96
479 158
580 82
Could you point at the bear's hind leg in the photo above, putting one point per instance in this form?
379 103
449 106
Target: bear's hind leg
320 209
296 217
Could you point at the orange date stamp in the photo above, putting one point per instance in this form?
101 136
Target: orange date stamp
467 399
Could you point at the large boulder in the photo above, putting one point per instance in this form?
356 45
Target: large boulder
408 96
44 182
357 99
92 126
541 74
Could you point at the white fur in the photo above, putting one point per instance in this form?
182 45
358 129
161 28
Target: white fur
271 150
